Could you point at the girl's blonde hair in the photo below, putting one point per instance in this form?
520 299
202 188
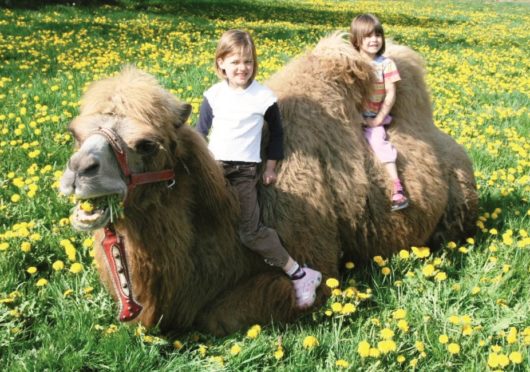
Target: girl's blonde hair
235 41
362 26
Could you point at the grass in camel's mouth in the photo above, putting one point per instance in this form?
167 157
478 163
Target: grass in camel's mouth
92 210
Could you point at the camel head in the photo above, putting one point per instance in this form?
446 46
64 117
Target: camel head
125 136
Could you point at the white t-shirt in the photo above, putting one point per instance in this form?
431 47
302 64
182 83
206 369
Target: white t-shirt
237 120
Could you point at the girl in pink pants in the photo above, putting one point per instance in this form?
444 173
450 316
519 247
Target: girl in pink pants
367 36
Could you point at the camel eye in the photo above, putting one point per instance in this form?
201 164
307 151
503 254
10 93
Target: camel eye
147 148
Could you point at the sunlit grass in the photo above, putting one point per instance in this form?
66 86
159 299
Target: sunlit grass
463 308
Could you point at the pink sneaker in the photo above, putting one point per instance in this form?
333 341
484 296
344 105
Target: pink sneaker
305 288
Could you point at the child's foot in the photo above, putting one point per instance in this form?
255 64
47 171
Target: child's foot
305 287
399 201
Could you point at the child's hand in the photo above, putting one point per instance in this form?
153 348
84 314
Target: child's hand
370 122
269 177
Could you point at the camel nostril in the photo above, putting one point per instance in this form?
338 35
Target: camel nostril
88 166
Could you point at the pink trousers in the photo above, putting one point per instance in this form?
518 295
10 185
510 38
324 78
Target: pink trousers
382 148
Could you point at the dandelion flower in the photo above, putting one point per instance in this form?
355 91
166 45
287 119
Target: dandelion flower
363 349
386 346
332 283
235 349
76 268
254 331
386 333
278 354
348 309
403 325
404 255
453 348
428 270
475 290
178 345
58 265
310 342
25 247
400 359
421 252
336 307
31 270
516 357
440 277
349 265
341 363
385 271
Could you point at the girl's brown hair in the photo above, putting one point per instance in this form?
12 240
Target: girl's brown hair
362 26
235 41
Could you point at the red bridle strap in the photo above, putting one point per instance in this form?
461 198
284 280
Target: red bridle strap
132 179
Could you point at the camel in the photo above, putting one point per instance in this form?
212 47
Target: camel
176 249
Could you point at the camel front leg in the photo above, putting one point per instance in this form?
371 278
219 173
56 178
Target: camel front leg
259 299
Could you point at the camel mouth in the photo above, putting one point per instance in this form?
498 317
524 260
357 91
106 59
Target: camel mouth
94 213
90 214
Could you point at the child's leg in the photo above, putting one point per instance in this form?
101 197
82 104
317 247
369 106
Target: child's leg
399 200
265 241
387 154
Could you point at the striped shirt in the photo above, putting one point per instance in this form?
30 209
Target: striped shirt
385 70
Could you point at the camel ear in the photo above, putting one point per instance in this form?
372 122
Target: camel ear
183 111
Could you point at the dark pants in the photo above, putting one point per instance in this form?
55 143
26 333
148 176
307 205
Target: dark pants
253 234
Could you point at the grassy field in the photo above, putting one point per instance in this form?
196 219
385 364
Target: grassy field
465 307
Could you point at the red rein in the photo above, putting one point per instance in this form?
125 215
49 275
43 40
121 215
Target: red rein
119 270
113 244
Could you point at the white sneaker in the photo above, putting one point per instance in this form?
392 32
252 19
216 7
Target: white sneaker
305 288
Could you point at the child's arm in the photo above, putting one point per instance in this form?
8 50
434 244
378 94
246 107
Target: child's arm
390 99
269 176
275 147
205 118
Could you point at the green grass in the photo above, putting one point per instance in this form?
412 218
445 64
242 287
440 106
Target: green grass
477 62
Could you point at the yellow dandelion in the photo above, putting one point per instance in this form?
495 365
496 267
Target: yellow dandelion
310 342
25 247
68 292
58 265
380 261
385 271
332 283
278 354
421 252
475 290
42 282
440 277
15 198
341 363
31 270
404 255
235 349
516 357
374 352
451 245
76 268
428 270
349 265
348 309
511 338
401 359
386 333
336 307
386 346
453 348
203 349
254 331
363 348
178 345
420 346
403 325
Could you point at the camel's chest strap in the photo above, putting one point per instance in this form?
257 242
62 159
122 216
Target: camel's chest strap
119 272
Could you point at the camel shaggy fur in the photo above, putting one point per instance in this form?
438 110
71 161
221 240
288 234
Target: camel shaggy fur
330 204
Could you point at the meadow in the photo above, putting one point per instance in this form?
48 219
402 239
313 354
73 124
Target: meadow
464 307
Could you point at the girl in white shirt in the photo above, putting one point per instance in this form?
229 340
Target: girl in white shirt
235 109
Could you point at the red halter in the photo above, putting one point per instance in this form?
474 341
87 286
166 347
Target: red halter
132 179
